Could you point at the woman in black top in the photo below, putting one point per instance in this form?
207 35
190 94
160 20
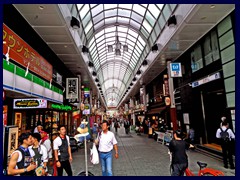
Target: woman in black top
178 148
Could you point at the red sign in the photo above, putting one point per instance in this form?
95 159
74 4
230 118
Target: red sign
23 54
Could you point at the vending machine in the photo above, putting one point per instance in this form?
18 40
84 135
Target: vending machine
10 137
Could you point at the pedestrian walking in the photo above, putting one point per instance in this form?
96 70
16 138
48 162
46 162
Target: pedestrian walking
177 148
116 126
62 152
21 159
227 140
106 142
127 126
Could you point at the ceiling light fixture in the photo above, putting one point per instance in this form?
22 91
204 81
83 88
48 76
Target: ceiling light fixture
41 7
75 23
172 21
118 47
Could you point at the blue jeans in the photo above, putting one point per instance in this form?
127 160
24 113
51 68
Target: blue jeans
106 163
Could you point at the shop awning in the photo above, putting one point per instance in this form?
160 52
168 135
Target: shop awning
156 110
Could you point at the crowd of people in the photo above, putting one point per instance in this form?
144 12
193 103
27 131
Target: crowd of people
38 155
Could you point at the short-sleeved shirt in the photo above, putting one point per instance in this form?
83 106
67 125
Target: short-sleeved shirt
58 142
106 141
178 150
231 134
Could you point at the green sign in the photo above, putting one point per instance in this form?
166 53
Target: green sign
61 107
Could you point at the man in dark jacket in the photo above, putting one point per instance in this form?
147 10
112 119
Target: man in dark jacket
178 148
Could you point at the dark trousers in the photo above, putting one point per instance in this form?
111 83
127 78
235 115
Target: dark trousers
66 166
227 154
178 169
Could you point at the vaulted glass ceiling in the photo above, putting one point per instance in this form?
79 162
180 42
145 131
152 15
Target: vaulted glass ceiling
135 25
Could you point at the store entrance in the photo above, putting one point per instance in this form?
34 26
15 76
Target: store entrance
214 105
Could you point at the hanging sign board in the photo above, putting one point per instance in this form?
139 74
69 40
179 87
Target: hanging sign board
72 88
175 69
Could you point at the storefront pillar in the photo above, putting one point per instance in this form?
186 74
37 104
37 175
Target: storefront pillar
173 113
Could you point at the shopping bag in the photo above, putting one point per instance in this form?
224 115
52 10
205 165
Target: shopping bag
94 158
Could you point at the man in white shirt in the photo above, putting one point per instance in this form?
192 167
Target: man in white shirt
62 152
227 147
107 142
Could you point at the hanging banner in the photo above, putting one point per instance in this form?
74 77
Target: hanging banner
23 54
72 88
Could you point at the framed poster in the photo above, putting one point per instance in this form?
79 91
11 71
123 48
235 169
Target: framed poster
18 119
12 140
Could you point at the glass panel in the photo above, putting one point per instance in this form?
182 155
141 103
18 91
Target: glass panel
147 26
134 24
74 12
145 33
111 20
166 12
173 6
88 27
79 6
207 50
110 6
84 11
97 10
196 59
215 48
160 6
150 18
110 13
137 17
124 12
224 26
231 100
229 84
100 24
226 40
86 19
228 54
125 6
229 69
154 10
141 10
98 18
161 21
123 20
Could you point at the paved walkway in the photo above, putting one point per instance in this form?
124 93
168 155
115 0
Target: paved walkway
142 156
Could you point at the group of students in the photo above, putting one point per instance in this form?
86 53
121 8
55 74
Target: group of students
36 156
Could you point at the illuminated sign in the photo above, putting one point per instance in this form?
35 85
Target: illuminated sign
175 69
29 103
61 107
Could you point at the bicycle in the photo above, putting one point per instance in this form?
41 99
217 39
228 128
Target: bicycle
204 171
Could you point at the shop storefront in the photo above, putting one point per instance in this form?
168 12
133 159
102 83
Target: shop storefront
28 113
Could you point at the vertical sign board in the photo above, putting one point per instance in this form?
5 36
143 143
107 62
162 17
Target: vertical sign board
72 88
176 70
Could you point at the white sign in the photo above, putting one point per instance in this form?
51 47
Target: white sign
72 88
206 79
186 118
175 69
59 79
